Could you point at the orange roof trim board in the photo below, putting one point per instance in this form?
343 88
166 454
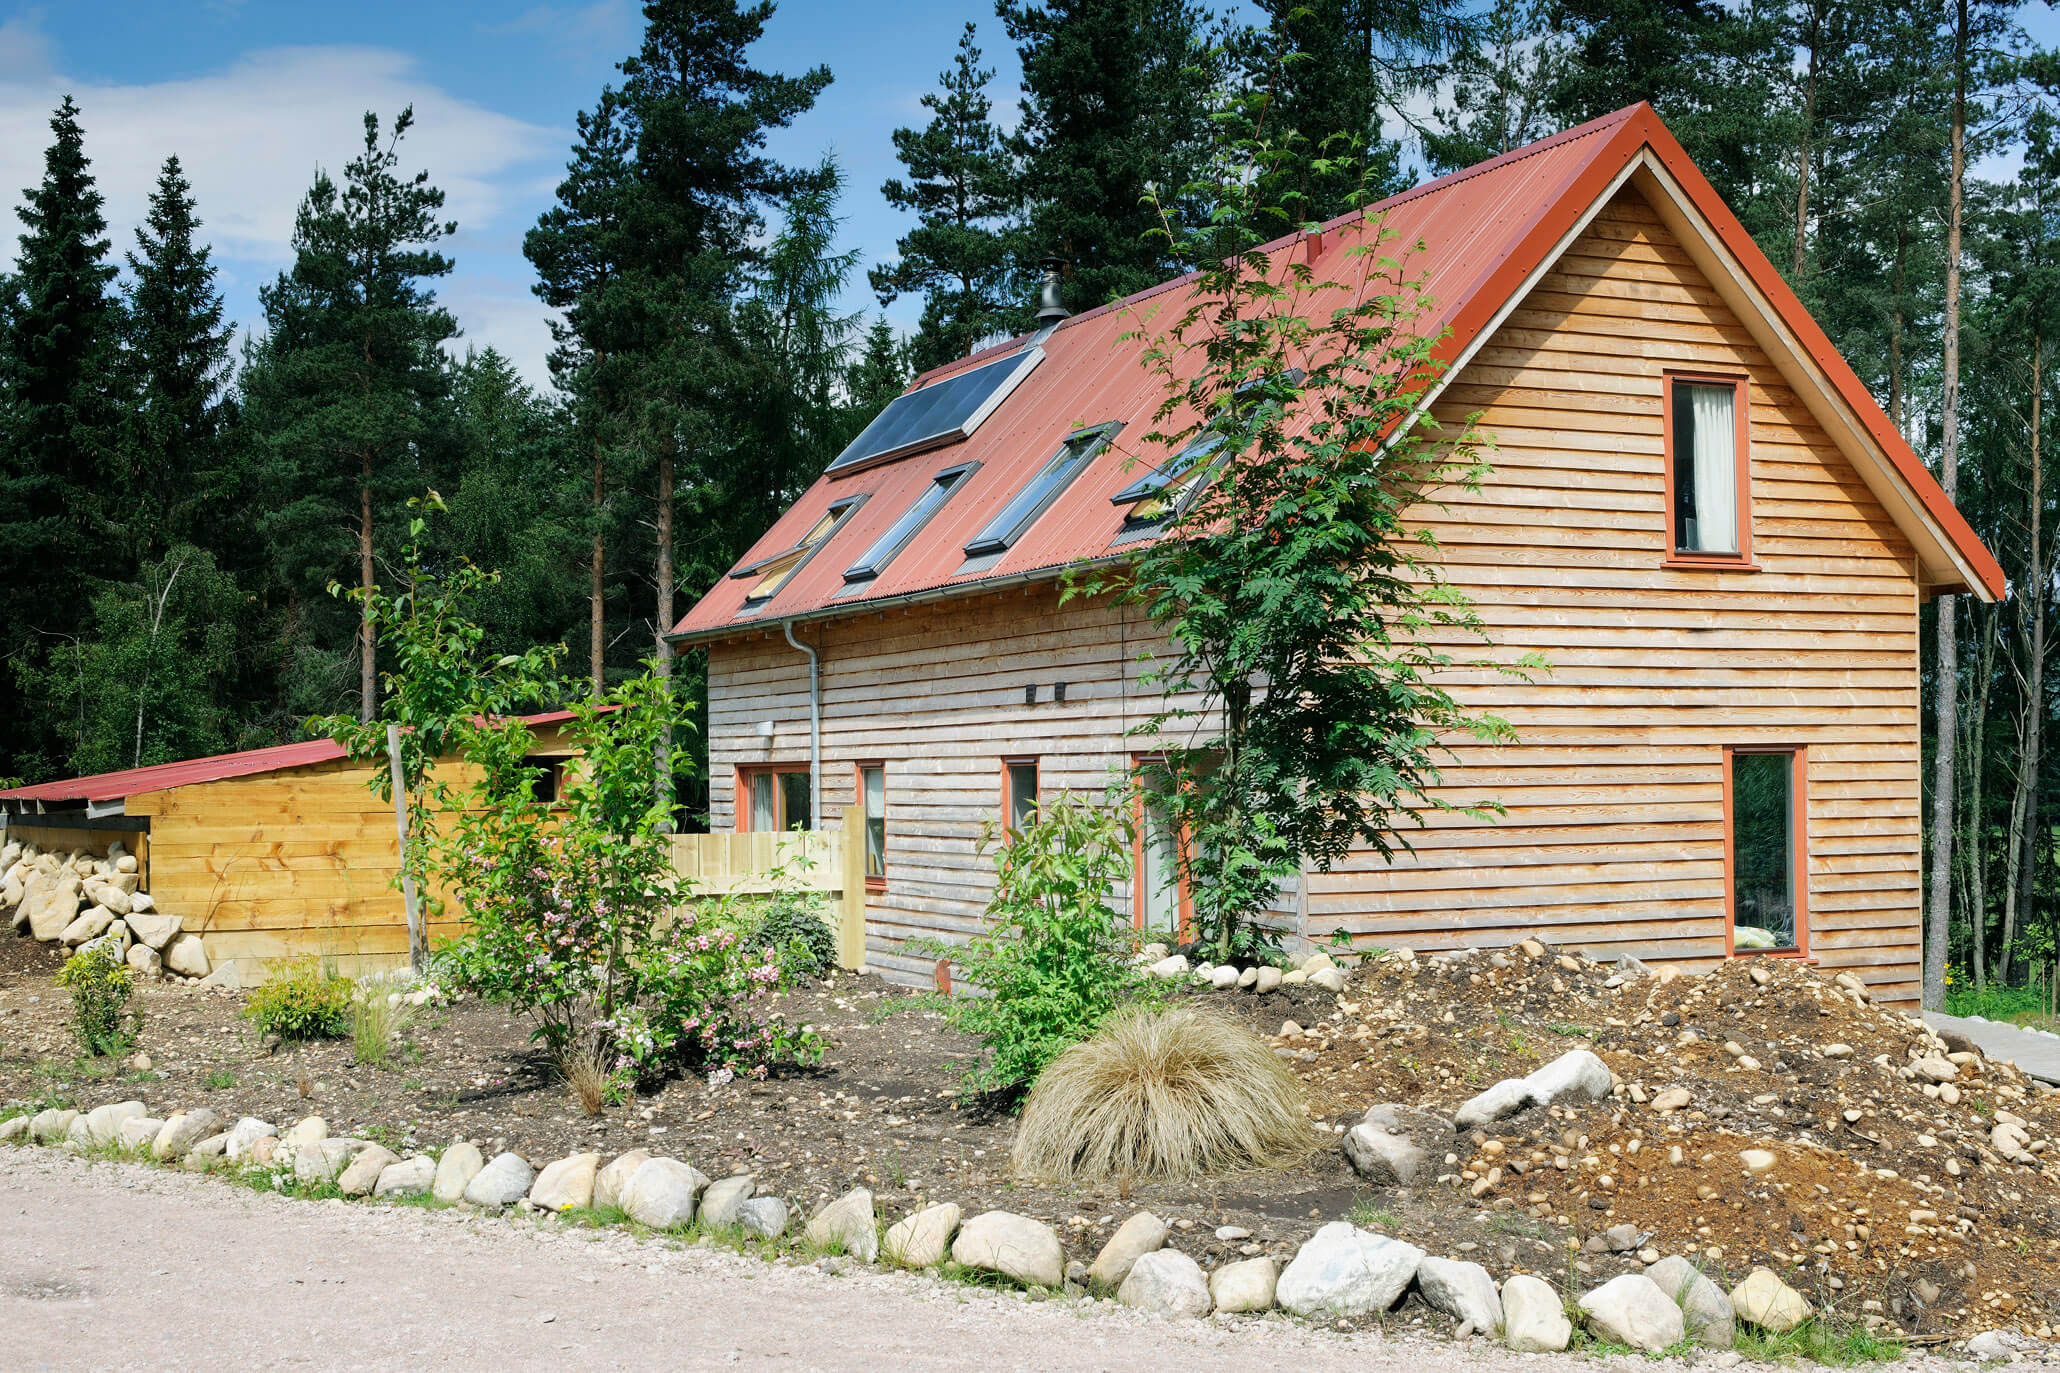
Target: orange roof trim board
1486 235
114 786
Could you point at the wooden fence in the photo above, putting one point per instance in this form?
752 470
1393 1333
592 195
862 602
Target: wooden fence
820 860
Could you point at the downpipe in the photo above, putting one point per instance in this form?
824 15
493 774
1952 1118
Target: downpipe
815 728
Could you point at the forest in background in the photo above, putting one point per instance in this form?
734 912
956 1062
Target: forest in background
178 517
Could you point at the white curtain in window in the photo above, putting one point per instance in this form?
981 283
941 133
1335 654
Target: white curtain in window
1716 469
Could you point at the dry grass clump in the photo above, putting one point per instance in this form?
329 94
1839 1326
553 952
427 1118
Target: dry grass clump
589 1070
380 1015
1162 1094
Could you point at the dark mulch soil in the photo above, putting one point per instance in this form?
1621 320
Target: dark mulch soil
884 1110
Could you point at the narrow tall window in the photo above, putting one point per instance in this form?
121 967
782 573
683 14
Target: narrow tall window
1158 876
1763 805
1020 783
872 785
1706 467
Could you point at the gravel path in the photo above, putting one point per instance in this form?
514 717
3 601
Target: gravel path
118 1265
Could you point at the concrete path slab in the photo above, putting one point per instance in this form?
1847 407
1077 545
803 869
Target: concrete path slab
2036 1053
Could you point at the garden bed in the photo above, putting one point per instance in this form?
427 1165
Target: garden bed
883 1110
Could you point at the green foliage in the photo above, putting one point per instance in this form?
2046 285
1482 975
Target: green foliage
304 999
795 924
1050 958
1300 714
1820 1341
380 1015
100 984
1994 1001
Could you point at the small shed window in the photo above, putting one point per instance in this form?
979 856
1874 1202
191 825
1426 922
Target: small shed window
1707 468
1765 847
1019 792
1033 500
550 777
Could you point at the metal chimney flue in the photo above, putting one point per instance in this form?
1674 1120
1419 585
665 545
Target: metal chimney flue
1051 297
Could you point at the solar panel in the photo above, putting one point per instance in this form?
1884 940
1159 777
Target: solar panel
945 412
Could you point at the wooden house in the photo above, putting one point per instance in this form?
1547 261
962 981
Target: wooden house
268 854
1697 515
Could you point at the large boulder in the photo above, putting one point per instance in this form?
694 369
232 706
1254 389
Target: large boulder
1461 1290
1244 1286
186 956
1577 1075
1013 1246
107 895
1533 1317
58 908
1703 1304
847 1223
323 1160
35 890
923 1238
504 1181
153 929
1396 1146
609 1182
663 1192
1144 1233
1769 1303
765 1217
14 1129
1342 1270
1632 1310
138 1134
411 1177
455 1170
566 1185
720 1202
145 960
364 1170
49 1127
1168 1282
244 1135
181 1133
90 923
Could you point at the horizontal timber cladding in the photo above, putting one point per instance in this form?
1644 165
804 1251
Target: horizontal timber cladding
1612 838
288 864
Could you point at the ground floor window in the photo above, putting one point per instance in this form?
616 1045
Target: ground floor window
1019 792
1765 849
872 794
770 799
1161 896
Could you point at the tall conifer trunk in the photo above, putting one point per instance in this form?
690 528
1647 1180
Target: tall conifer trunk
665 478
1938 918
2024 805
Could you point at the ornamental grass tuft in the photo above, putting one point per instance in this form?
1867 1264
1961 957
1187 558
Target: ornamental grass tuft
1162 1094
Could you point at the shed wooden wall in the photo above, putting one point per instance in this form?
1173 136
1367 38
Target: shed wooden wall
286 864
1614 834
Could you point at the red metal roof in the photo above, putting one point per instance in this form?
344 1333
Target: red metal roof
1473 237
113 786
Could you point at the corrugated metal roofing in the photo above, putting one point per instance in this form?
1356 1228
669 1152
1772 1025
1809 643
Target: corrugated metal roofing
114 786
1471 237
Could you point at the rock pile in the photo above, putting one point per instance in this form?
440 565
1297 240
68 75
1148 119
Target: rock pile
81 899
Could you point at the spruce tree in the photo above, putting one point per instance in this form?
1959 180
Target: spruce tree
58 351
177 361
1116 100
963 192
347 390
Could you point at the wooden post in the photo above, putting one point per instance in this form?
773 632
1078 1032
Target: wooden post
418 950
851 899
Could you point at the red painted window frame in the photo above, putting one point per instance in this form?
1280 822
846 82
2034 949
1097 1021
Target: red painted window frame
1741 416
1799 841
1184 899
741 800
858 772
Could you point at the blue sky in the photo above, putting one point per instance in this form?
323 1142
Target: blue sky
254 95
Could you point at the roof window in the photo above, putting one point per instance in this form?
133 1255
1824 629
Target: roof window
911 522
777 570
1165 491
944 412
1033 500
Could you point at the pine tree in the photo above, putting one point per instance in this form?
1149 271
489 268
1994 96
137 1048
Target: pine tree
177 360
347 391
962 190
1335 69
878 374
1116 100
58 351
1499 86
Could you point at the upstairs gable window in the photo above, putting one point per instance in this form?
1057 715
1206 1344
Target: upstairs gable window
1709 513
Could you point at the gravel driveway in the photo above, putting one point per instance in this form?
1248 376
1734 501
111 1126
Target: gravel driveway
118 1265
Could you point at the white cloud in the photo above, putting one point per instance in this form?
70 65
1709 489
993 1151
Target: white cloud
25 50
251 137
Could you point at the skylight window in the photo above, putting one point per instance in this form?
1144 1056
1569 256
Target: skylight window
911 522
942 413
1034 499
1165 491
779 569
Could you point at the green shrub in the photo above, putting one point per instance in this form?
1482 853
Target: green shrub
1051 958
795 926
100 984
305 1000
